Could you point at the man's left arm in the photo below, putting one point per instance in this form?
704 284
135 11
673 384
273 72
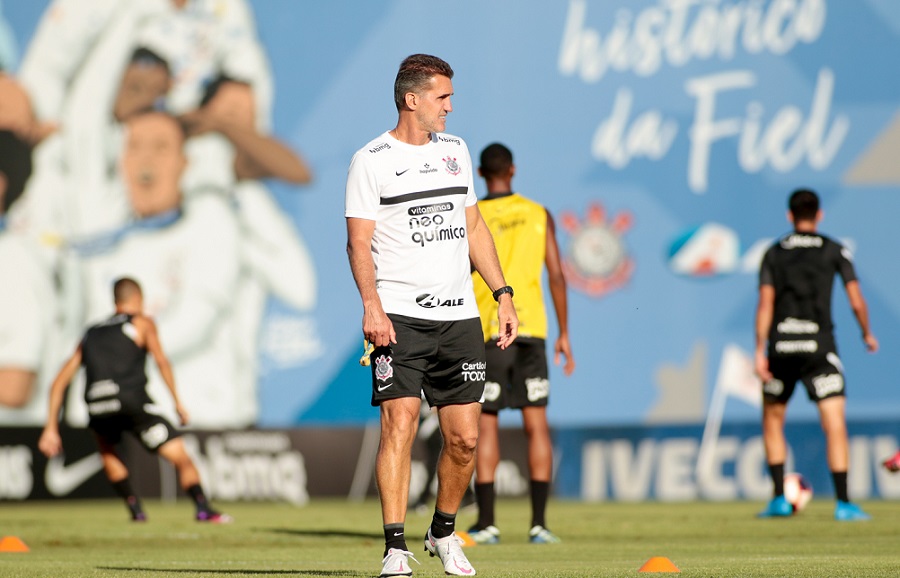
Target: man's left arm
483 255
557 282
861 311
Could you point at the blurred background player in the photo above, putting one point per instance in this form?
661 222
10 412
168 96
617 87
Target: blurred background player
114 355
795 341
517 376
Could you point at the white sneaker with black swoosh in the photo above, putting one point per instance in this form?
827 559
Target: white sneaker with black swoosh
396 563
449 551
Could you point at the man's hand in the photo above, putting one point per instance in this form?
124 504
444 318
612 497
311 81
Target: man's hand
377 326
509 322
50 443
562 347
871 343
762 367
182 414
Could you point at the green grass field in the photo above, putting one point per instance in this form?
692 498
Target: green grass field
336 538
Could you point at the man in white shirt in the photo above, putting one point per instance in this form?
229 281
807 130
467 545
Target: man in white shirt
413 227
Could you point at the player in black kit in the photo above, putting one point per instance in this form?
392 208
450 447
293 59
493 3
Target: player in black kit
113 354
795 341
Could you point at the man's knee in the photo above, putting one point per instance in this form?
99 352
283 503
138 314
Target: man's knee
461 446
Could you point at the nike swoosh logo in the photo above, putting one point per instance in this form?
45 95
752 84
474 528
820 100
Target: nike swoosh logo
62 480
398 173
384 387
398 533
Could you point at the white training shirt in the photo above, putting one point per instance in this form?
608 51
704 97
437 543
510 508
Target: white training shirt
417 196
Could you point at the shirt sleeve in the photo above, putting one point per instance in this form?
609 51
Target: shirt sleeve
766 269
471 199
845 267
361 198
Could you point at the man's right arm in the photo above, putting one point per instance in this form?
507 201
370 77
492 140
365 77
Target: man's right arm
765 310
377 327
50 442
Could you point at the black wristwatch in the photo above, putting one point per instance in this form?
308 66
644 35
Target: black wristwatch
501 291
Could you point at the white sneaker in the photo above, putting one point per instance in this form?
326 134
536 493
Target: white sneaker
396 563
449 551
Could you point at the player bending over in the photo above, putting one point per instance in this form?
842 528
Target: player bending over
113 354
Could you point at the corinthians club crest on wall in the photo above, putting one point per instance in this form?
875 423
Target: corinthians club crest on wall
595 260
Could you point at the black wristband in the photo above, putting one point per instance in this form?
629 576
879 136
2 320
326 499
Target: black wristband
501 291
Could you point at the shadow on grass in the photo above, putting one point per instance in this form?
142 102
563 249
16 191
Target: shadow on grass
244 571
327 533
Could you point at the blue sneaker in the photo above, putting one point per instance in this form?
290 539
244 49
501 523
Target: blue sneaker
541 535
779 507
849 512
485 536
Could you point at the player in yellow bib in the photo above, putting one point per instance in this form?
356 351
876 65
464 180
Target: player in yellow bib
525 238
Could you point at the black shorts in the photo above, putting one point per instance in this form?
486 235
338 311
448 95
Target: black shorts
516 376
444 360
150 429
821 372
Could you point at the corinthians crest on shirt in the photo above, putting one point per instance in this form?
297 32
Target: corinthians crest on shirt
383 369
452 166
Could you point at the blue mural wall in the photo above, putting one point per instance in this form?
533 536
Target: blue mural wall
664 136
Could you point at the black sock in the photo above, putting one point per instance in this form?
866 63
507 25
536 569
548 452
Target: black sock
442 524
840 486
394 537
777 473
540 491
126 492
484 496
196 494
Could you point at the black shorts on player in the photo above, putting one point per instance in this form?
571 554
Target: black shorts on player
821 373
150 429
516 376
444 360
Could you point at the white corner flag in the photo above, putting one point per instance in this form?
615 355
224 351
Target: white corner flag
736 378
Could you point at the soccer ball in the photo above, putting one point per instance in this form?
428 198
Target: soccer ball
797 491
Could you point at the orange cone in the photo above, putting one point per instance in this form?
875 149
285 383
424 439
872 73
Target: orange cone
12 544
467 541
659 564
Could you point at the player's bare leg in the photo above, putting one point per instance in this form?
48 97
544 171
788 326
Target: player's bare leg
834 424
540 467
773 432
189 479
399 424
776 453
459 426
487 458
117 474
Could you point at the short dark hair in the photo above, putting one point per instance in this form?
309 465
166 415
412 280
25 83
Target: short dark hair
416 71
804 205
16 166
146 57
496 160
124 288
